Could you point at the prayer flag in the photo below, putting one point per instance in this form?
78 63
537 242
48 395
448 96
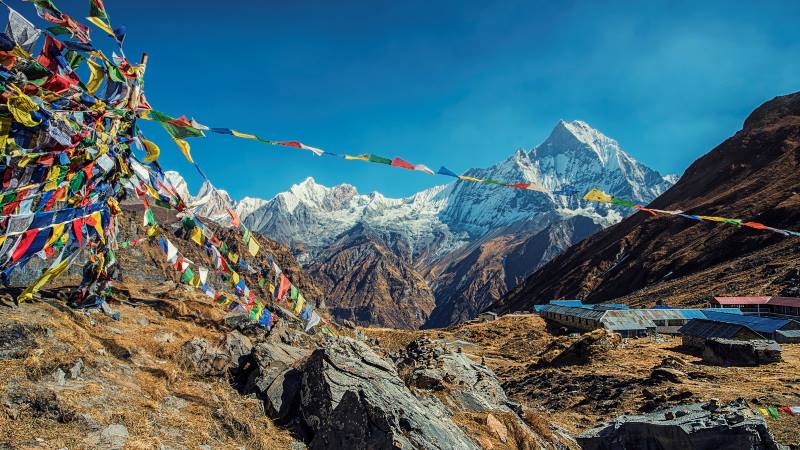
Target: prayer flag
313 321
197 235
152 150
364 157
186 149
397 162
379 160
54 271
253 247
445 171
596 195
96 9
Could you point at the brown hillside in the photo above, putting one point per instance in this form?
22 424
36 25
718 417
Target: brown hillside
753 175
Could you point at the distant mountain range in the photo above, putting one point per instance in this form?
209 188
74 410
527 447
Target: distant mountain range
753 176
443 254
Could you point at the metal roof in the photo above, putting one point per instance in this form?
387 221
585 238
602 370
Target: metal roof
742 300
760 324
619 322
582 313
790 333
793 302
705 328
575 303
607 306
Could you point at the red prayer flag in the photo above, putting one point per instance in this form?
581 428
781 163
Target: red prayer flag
756 225
284 286
77 226
520 185
24 244
181 121
397 162
642 208
234 218
291 144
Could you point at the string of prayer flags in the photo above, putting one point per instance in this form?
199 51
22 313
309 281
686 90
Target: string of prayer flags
596 195
183 127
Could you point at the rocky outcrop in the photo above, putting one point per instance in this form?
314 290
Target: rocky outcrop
730 352
351 398
697 427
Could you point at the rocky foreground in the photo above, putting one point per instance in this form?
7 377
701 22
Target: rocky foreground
175 372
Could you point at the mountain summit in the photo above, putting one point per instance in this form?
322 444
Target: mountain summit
460 237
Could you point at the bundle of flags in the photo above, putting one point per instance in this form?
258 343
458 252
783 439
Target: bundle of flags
596 195
65 143
66 153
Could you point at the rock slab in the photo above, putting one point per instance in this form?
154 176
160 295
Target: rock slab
730 352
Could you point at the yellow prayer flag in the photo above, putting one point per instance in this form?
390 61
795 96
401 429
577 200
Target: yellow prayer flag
596 195
96 74
5 129
98 225
713 218
2 239
152 150
102 25
51 273
252 246
197 235
58 230
243 135
185 148
357 157
21 107
234 257
464 177
234 278
271 289
298 305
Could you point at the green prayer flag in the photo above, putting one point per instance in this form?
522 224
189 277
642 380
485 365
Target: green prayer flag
773 412
223 248
380 160
76 182
176 131
74 59
293 292
621 202
149 219
59 30
187 275
114 73
96 9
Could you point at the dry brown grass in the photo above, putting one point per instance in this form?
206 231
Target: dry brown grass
130 371
510 345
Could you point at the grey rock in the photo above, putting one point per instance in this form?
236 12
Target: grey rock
352 398
113 437
238 346
730 352
75 371
204 358
668 374
270 361
686 427
426 378
283 395
59 377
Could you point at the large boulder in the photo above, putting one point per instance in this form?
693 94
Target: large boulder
352 398
692 427
271 372
730 352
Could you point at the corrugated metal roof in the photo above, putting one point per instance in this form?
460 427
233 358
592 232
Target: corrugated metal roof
582 313
607 306
575 303
742 300
759 324
724 310
790 333
785 301
708 328
626 320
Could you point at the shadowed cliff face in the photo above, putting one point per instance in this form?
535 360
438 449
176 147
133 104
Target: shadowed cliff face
368 283
753 175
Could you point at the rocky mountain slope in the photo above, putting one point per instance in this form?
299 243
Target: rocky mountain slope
752 175
470 242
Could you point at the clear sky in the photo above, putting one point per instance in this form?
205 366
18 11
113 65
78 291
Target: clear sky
459 83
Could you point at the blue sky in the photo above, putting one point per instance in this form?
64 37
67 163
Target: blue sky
460 83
